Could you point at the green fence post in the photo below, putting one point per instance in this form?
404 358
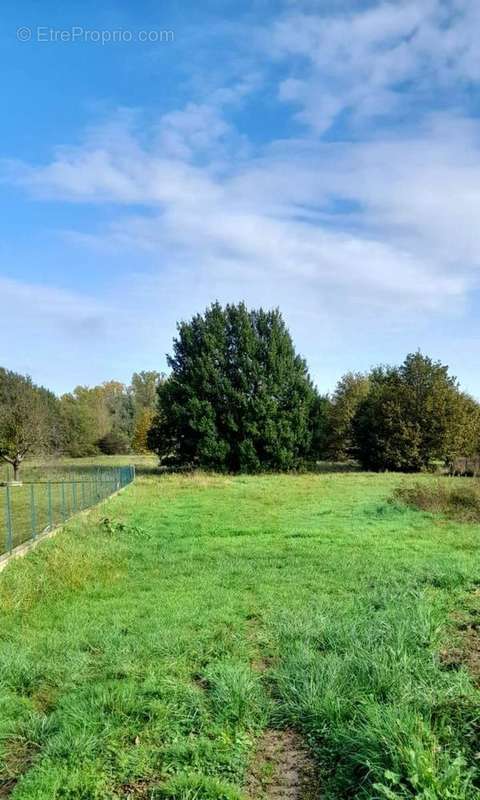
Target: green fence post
74 497
83 494
49 495
8 519
33 510
64 508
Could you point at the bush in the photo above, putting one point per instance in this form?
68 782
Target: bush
113 444
457 500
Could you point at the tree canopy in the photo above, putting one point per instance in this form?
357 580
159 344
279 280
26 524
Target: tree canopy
351 390
239 397
409 417
27 419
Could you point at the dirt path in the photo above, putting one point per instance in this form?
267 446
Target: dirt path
283 769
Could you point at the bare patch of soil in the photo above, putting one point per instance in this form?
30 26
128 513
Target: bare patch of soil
7 787
465 649
262 664
465 653
17 762
283 769
139 790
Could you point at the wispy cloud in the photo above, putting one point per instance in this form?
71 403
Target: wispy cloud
288 211
73 311
343 226
372 62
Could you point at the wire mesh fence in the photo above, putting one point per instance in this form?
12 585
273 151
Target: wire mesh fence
38 506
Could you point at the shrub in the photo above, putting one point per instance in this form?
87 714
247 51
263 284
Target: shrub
114 443
457 500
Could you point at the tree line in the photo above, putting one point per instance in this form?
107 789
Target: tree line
239 398
111 418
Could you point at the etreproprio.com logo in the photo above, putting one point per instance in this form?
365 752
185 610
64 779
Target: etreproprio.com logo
77 33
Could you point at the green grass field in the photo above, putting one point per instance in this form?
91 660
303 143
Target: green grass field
147 648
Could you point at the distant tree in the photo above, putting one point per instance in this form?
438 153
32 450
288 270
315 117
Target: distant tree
93 412
408 417
120 408
144 421
320 427
464 432
114 443
90 413
239 398
350 391
79 427
53 420
144 389
23 419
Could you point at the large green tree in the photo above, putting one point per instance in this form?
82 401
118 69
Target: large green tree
29 419
409 417
239 398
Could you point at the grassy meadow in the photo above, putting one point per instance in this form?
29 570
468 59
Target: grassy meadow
149 649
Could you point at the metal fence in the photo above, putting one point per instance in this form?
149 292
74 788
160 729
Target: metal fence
36 507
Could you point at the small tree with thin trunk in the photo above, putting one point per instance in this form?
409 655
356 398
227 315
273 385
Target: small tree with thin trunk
23 419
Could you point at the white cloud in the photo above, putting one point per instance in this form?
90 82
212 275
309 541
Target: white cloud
362 61
48 332
410 241
379 227
276 215
21 300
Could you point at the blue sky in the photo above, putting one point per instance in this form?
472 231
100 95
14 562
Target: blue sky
319 156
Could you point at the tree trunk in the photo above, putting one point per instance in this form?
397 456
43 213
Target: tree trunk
15 463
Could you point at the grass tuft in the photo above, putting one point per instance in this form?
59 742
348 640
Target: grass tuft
196 787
